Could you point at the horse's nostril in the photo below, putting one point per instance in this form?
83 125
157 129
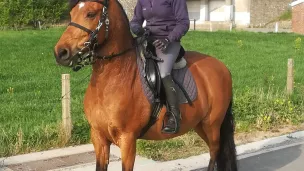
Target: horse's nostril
63 54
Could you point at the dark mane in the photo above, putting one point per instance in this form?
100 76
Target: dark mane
124 13
73 3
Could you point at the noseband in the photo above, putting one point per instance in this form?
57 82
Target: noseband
87 55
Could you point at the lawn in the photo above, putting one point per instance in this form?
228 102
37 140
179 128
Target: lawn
255 59
30 87
30 91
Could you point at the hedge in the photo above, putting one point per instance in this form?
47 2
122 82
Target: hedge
20 13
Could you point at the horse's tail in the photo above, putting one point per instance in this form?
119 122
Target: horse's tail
226 160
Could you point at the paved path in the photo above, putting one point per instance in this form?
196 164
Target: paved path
289 158
284 153
286 159
58 162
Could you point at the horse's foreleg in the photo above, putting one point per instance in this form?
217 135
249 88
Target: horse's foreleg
128 151
102 150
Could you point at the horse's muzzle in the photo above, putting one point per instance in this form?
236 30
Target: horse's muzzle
63 57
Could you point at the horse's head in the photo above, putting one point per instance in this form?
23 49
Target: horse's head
88 30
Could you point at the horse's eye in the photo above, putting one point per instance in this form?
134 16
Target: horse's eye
91 14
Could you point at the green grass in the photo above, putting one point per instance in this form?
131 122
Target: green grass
255 59
30 87
30 92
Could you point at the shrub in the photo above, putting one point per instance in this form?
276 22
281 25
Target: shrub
20 13
287 15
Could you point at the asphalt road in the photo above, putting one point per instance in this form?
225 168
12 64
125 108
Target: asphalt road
287 159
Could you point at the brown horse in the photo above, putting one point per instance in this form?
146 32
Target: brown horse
115 104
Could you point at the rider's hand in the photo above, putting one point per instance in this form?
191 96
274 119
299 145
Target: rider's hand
161 44
142 32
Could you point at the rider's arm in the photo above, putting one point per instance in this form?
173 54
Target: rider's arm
182 20
138 19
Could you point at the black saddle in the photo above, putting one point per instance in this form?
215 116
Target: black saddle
152 49
152 76
151 68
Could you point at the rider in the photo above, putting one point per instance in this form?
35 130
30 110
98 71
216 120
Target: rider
167 21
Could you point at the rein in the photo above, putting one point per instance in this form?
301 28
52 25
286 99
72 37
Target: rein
87 55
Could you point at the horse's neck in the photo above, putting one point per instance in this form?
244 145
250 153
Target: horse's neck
119 69
120 72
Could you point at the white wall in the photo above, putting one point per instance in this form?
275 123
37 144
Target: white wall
216 10
242 12
194 9
242 18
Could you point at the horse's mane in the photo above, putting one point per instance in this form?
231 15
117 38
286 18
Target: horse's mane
124 12
73 3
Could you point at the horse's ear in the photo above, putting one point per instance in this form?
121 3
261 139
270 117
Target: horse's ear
72 4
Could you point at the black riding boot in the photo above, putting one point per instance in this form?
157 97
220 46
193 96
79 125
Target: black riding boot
173 112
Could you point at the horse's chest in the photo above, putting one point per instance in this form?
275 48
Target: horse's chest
104 111
102 115
116 113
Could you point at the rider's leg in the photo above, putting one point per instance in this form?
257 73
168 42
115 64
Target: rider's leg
173 112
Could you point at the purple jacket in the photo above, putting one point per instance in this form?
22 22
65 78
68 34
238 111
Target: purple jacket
164 18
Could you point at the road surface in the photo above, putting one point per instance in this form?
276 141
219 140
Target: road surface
286 159
286 156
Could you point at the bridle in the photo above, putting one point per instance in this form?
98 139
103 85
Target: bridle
87 55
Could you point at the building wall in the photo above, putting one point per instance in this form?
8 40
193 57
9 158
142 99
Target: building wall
217 10
242 12
298 18
247 12
194 7
128 6
263 11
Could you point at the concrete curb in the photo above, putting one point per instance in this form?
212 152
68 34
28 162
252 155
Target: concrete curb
44 155
5 169
243 156
243 151
258 145
193 162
